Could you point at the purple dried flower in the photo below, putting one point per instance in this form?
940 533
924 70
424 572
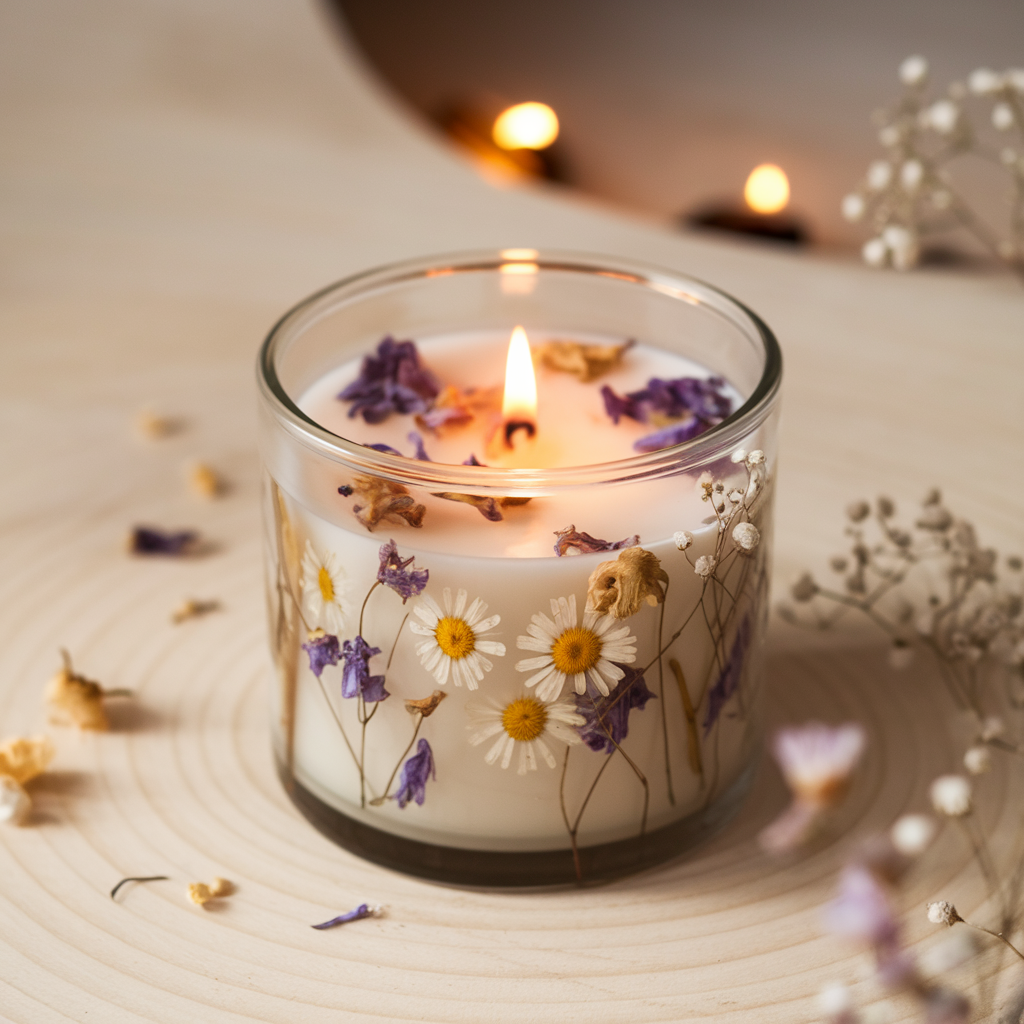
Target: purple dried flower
677 433
570 537
363 910
729 679
611 713
817 760
379 446
417 442
444 416
346 491
618 406
147 540
861 910
356 680
472 461
412 785
393 380
394 572
323 650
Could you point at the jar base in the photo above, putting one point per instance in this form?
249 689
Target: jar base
494 869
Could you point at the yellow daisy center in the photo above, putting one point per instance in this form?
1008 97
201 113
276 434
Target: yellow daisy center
455 637
576 650
326 585
524 719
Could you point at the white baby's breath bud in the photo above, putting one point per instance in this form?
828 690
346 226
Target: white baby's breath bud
911 175
683 539
735 495
902 242
913 70
853 207
15 803
879 175
705 566
1002 116
834 1000
738 456
942 912
951 796
983 81
755 458
943 116
805 588
890 135
978 760
746 535
901 655
912 834
992 728
874 252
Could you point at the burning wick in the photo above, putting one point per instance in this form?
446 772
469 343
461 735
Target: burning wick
519 404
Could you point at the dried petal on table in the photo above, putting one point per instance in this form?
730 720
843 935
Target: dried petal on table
148 540
363 910
23 757
75 700
193 609
205 481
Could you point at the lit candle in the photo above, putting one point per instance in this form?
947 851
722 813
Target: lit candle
597 635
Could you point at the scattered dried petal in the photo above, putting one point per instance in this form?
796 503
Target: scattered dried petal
385 502
193 609
587 362
392 380
75 700
571 539
205 481
199 893
363 910
23 758
489 508
621 587
154 427
15 803
665 400
148 540
425 706
454 408
221 887
668 436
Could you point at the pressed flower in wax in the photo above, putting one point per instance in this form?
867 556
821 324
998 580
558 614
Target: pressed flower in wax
399 573
425 706
728 680
569 539
588 362
606 719
323 650
456 640
324 588
356 680
526 724
383 501
412 784
621 587
391 380
582 653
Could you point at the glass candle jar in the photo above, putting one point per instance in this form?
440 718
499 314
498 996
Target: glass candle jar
498 675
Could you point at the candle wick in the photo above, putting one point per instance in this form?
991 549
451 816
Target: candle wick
513 425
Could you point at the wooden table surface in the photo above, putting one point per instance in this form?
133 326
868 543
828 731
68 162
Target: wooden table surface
174 175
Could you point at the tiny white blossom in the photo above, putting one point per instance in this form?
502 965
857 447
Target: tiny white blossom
978 760
1002 116
738 456
746 535
683 539
755 458
853 207
705 566
951 796
943 116
943 912
15 803
983 81
912 834
914 70
874 252
735 495
879 175
911 175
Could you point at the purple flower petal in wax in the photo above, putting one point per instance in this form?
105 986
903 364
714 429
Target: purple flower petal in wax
618 406
412 785
356 680
607 718
417 442
381 447
729 679
322 651
346 491
571 538
472 461
391 380
363 910
147 540
395 572
677 433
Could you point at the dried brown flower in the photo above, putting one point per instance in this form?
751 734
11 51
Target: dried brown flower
205 481
426 706
23 757
588 362
75 700
621 586
385 502
192 609
489 508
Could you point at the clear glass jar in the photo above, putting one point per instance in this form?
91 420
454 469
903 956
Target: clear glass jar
513 782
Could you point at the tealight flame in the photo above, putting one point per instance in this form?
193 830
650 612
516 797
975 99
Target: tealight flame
519 404
767 189
526 126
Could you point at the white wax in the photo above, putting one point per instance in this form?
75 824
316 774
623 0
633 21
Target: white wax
511 566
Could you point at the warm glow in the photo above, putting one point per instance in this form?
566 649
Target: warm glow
519 404
767 189
526 126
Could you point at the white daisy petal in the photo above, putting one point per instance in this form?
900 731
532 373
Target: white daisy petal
491 647
473 613
529 643
542 677
460 603
527 760
484 624
551 687
486 733
546 627
579 682
510 746
419 628
549 758
529 664
495 751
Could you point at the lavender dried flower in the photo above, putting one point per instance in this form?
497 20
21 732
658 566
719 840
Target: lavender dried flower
571 539
606 719
412 784
323 650
148 540
729 678
668 436
392 380
395 572
363 910
356 680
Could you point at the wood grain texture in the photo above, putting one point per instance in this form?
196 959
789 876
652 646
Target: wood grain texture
174 175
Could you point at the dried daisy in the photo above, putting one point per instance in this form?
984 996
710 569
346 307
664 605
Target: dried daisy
75 700
201 894
22 758
587 362
621 587
15 803
193 609
384 501
204 481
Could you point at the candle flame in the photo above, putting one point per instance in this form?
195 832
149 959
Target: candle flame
519 404
767 189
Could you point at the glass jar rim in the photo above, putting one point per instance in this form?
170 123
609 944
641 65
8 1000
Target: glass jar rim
718 442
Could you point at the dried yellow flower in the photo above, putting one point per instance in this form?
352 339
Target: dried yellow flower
588 362
154 427
205 481
75 700
192 609
427 705
385 502
23 758
221 887
200 893
621 586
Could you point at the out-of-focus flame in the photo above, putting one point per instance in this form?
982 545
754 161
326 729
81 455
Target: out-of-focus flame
525 126
767 189
519 404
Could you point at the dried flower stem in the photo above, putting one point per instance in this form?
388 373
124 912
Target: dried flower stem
377 801
661 697
147 878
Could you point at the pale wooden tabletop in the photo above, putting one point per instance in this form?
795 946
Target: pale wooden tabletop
174 175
